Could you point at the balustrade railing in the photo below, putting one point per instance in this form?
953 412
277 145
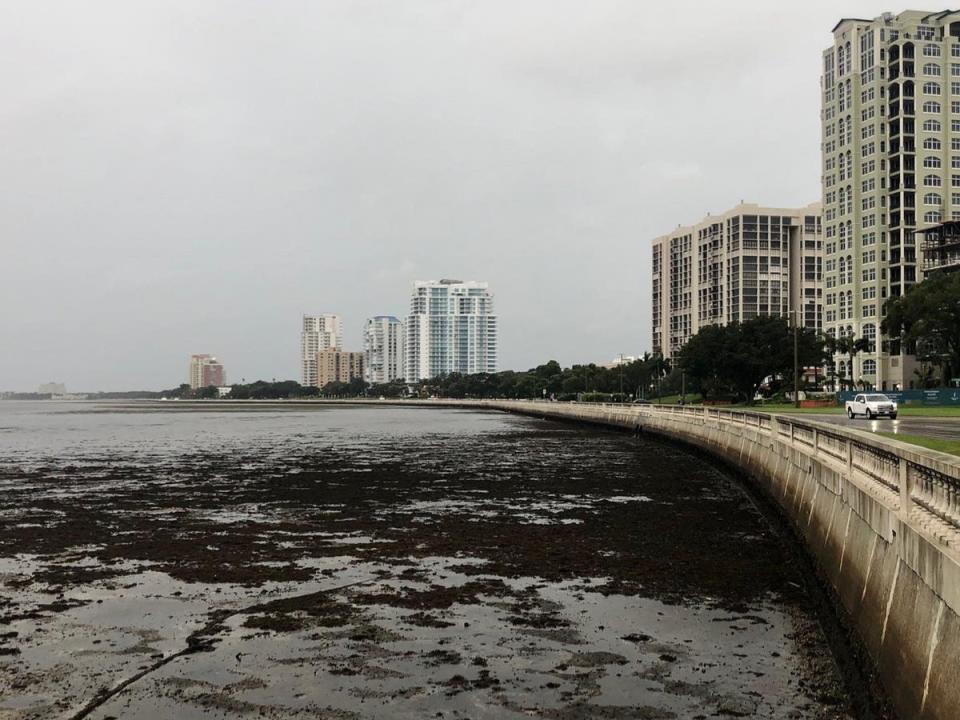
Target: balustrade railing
832 444
803 434
935 492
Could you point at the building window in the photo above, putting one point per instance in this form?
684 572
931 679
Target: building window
932 199
932 217
931 143
932 181
931 69
932 161
869 367
931 50
931 126
931 88
932 107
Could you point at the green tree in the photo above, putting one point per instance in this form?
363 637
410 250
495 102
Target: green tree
735 359
928 317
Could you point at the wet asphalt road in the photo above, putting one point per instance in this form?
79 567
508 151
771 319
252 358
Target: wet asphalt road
944 428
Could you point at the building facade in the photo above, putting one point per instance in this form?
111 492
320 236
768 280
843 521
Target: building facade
451 328
383 349
319 332
338 366
206 371
890 169
941 248
746 262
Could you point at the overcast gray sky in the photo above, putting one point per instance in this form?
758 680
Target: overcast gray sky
192 176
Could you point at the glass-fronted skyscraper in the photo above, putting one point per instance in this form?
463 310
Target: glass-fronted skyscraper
451 328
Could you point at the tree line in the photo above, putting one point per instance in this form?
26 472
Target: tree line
733 362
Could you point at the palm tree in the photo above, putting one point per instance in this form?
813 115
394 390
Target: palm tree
849 345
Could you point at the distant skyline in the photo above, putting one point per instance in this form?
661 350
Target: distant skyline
189 177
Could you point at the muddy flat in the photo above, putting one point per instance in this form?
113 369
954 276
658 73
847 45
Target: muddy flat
388 563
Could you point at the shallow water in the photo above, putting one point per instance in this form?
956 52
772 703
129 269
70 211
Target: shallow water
387 562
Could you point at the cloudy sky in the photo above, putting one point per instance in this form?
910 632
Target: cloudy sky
193 176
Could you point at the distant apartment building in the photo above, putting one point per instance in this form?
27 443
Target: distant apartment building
320 332
338 366
451 328
746 262
205 371
52 388
890 171
383 349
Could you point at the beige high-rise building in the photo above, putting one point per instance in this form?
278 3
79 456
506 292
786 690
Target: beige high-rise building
320 332
746 262
206 371
338 366
891 168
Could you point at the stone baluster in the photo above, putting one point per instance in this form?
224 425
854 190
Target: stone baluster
906 492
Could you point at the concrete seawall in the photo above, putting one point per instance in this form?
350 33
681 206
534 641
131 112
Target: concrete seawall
880 517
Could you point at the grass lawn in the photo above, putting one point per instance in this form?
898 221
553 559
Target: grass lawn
946 446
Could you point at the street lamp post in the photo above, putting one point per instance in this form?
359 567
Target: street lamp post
796 358
621 377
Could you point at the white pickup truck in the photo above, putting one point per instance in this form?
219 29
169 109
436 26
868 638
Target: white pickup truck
872 405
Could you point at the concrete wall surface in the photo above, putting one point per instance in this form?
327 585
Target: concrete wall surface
880 517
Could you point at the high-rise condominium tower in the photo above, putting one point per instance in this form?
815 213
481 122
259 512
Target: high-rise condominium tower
891 167
383 349
451 328
320 332
206 371
746 262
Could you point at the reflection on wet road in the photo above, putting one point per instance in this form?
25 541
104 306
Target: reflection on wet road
944 428
402 563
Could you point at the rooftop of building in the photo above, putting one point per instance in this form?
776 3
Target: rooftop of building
450 282
925 16
744 208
